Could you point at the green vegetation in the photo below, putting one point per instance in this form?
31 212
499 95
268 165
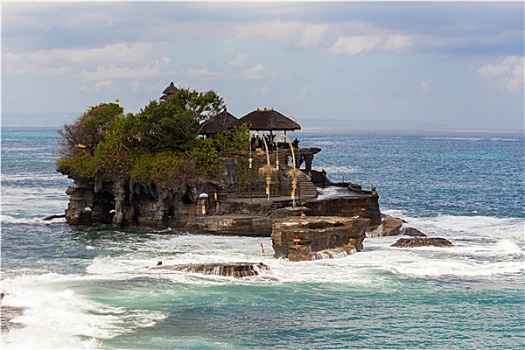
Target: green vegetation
158 144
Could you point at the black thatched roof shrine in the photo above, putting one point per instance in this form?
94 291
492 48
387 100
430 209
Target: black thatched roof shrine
269 119
168 92
218 123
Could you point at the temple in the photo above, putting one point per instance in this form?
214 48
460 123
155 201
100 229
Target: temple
273 183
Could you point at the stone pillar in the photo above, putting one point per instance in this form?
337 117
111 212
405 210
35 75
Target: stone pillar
119 193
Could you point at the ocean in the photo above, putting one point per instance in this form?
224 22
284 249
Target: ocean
89 287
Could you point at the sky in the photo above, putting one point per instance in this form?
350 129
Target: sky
455 65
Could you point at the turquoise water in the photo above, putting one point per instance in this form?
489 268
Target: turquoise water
90 288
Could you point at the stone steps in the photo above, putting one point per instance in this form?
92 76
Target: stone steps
305 187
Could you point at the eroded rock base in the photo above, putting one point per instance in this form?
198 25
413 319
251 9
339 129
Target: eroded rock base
317 237
237 270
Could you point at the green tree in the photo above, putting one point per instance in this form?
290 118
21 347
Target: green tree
86 132
173 125
158 144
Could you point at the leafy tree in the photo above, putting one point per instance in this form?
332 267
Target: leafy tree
114 154
198 104
173 125
158 144
86 132
235 141
205 155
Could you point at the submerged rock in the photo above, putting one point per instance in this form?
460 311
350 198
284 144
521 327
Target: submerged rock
7 313
237 270
413 232
422 242
52 217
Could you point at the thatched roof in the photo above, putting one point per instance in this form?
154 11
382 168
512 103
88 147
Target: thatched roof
218 123
170 90
269 119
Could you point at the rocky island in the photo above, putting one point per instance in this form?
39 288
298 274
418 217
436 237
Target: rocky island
185 162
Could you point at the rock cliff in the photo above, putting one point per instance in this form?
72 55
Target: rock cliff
127 204
311 238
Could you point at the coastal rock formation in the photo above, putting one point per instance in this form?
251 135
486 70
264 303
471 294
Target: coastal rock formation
413 232
184 161
311 238
422 242
127 204
391 226
236 270
364 205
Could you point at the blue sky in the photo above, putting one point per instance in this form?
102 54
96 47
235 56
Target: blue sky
458 65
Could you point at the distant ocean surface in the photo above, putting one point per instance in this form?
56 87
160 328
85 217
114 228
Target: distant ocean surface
87 287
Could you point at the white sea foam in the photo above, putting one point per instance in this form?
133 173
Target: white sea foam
56 317
41 178
507 246
483 246
468 226
7 219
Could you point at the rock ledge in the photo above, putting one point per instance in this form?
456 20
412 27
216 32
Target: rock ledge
422 242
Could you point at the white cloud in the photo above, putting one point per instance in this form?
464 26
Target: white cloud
311 36
270 30
257 72
298 34
508 72
359 44
238 61
114 72
57 61
203 74
98 86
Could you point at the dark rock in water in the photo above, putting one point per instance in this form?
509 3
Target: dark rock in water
236 270
422 242
312 238
391 226
413 232
51 217
7 313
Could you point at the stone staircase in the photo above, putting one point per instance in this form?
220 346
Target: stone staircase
305 187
